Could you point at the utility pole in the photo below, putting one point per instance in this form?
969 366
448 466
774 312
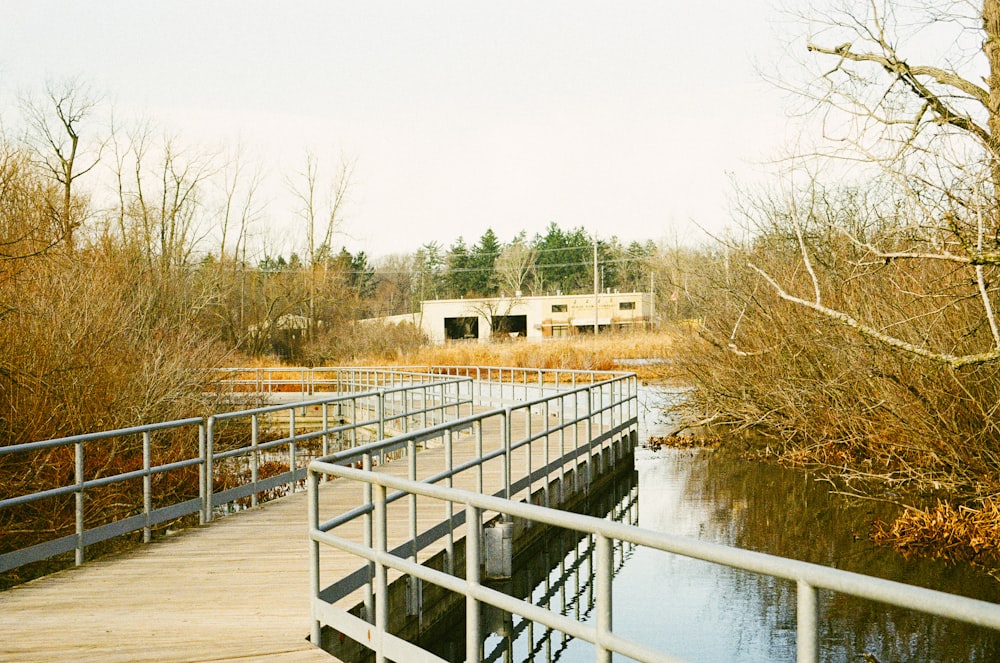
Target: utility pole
597 285
652 299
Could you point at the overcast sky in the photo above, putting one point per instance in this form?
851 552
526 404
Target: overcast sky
624 118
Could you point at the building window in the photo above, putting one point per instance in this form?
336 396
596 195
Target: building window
560 330
559 308
626 306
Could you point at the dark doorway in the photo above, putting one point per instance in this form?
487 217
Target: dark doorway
456 329
510 325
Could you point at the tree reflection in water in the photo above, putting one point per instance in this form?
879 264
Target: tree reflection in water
704 612
769 508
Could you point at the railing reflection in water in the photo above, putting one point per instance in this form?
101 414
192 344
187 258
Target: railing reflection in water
557 574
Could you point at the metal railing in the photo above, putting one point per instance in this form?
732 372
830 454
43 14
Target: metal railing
565 585
208 466
809 578
309 381
573 429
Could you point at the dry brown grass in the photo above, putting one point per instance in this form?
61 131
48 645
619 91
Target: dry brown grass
603 353
960 533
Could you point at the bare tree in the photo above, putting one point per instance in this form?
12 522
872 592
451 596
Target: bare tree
322 217
515 265
163 202
933 132
240 185
55 125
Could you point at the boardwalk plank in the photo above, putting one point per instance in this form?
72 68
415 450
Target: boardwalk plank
234 590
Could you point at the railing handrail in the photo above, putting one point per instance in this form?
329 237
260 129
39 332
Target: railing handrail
27 447
266 409
432 393
808 576
436 430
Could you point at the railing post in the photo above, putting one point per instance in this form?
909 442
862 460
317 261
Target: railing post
381 579
615 402
505 425
366 465
354 423
807 619
479 454
576 437
78 479
604 571
562 448
473 526
590 435
314 579
423 404
381 414
325 423
202 474
147 487
209 469
527 460
412 582
545 449
291 446
254 457
449 510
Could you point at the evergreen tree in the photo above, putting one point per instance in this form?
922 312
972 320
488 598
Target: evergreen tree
565 260
481 261
429 269
458 263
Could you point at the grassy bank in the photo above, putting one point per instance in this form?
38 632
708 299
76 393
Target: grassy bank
603 353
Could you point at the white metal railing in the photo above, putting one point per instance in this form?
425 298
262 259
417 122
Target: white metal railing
207 466
309 381
573 428
809 578
214 465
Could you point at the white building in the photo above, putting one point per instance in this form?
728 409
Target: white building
532 317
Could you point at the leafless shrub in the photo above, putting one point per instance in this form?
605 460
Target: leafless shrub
812 389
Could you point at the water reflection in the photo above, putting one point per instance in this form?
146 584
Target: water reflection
787 512
556 574
704 612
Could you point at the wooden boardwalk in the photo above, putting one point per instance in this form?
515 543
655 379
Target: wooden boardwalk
234 590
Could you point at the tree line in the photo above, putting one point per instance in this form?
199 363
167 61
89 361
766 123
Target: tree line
556 261
128 255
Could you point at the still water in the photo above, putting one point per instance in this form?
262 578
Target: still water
704 612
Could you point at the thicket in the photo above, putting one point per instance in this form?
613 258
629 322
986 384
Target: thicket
852 326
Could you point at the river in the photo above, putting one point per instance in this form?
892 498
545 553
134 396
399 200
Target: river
704 612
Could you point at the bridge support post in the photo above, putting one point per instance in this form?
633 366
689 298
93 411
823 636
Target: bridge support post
500 550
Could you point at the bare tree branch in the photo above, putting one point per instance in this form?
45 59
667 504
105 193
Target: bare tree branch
955 361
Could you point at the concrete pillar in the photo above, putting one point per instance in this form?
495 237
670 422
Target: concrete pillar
500 550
